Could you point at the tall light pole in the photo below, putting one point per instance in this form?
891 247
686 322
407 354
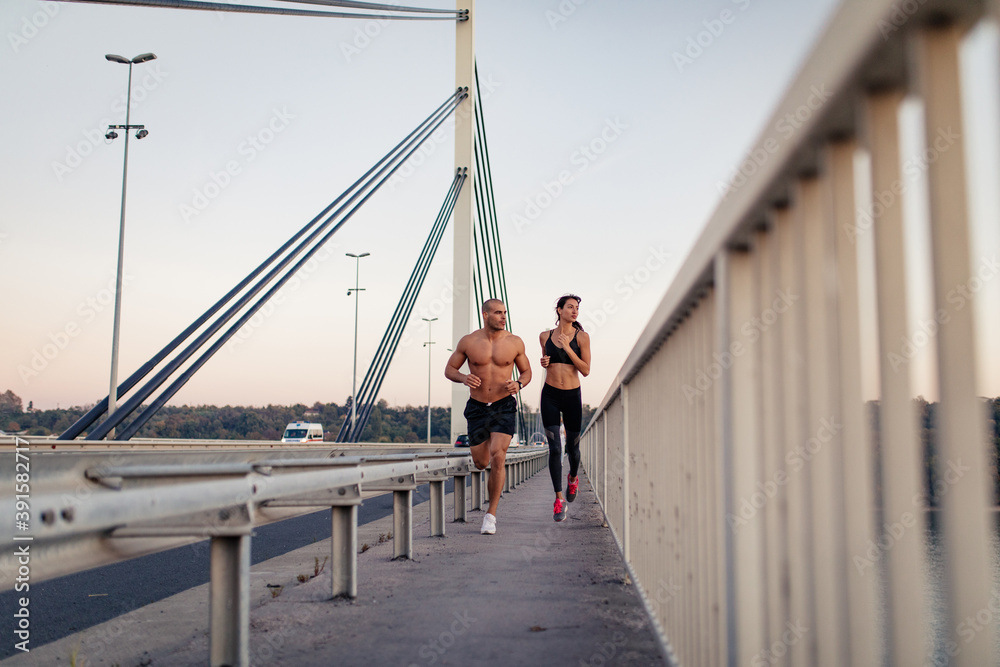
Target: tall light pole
111 135
428 346
357 298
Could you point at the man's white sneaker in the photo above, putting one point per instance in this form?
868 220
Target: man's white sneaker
489 525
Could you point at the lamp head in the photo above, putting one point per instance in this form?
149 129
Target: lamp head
117 59
111 135
144 57
141 133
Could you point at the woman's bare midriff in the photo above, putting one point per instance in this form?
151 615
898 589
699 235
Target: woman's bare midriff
562 376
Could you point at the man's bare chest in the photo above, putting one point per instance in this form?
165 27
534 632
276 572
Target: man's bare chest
493 354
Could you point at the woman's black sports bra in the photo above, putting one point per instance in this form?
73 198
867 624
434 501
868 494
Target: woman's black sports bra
557 355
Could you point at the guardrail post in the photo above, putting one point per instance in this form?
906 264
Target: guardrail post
506 478
229 601
402 524
344 551
477 489
437 508
460 503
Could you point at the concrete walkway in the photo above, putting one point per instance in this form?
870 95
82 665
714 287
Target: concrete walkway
536 593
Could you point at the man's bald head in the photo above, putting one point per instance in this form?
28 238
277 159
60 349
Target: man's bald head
490 304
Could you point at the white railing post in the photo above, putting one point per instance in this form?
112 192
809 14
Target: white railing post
724 434
961 438
823 444
740 354
858 458
626 550
900 446
773 465
604 462
801 602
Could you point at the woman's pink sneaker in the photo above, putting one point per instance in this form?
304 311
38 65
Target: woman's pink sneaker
571 488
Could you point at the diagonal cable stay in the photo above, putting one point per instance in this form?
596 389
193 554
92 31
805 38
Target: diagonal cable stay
372 383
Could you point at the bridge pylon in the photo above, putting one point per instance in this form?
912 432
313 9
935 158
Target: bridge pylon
465 129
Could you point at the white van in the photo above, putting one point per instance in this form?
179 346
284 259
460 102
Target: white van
303 432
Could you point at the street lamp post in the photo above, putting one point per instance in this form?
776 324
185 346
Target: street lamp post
428 346
141 132
357 298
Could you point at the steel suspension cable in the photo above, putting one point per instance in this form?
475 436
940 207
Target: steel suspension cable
445 214
483 259
491 278
477 280
375 6
460 14
417 138
361 397
94 413
199 5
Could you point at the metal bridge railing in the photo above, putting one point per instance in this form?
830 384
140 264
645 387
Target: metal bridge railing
733 454
86 509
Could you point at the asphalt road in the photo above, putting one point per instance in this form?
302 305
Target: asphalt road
61 607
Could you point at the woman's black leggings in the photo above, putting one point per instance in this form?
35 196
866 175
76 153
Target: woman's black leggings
569 403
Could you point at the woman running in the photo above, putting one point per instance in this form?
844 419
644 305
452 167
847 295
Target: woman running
565 356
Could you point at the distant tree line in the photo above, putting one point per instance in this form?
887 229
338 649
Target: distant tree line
405 424
385 424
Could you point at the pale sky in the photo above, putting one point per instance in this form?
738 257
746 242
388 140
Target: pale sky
256 123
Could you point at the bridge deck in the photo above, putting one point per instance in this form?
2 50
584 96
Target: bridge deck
537 592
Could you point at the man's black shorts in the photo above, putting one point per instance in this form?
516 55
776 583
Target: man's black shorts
485 418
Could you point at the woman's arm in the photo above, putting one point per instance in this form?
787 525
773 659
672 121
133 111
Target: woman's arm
582 361
542 338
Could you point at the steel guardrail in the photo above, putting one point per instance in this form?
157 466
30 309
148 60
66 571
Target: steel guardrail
76 510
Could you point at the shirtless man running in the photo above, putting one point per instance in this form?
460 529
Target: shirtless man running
492 353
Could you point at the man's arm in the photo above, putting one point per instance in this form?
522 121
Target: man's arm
523 369
453 370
